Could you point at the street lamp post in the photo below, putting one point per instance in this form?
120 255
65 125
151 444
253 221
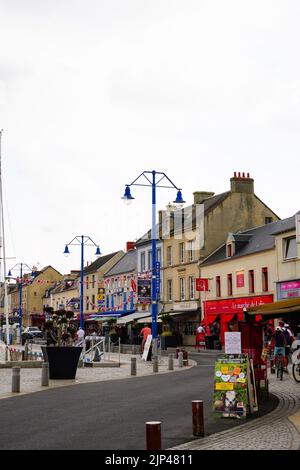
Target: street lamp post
82 240
153 179
21 267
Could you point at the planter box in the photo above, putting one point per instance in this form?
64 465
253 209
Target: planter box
63 361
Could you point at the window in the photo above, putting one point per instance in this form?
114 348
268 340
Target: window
34 294
192 287
87 303
218 286
229 284
93 281
251 282
87 282
268 220
143 262
191 253
169 256
181 252
150 260
93 302
182 288
289 248
158 255
265 280
229 251
169 290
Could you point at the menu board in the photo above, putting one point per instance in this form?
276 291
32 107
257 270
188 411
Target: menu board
233 343
230 387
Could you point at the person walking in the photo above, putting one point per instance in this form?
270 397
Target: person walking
145 332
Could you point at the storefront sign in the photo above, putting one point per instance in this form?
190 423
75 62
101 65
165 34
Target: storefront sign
185 306
289 289
233 342
201 284
240 279
236 305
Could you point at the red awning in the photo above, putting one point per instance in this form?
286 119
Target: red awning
211 318
227 317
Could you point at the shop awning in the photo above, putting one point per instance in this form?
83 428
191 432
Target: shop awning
211 318
134 316
227 317
277 309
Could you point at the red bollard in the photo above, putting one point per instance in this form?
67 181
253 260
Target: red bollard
198 418
153 435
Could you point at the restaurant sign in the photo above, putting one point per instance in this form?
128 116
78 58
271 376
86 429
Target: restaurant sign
236 305
288 289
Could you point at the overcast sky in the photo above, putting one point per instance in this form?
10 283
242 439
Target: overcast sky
92 92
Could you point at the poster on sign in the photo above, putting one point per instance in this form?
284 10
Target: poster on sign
147 347
233 343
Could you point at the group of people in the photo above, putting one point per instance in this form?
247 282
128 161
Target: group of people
281 340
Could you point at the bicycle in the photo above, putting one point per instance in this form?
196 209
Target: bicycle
296 360
279 364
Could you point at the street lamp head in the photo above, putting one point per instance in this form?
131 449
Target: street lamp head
179 199
98 252
66 252
127 198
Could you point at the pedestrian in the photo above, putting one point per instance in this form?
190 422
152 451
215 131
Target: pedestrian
200 337
145 332
279 345
80 334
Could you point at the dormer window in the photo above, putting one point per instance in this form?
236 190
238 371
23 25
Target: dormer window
229 250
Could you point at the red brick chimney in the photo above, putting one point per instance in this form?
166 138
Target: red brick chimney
242 183
130 246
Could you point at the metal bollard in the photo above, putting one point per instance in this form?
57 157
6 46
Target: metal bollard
45 374
133 366
155 364
180 359
15 386
153 435
171 362
198 418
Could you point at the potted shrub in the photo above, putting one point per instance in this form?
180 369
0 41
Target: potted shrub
61 352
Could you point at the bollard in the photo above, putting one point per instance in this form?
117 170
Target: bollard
45 374
153 435
133 366
171 362
198 418
15 386
155 364
180 359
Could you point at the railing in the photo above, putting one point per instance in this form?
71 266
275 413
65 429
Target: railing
96 353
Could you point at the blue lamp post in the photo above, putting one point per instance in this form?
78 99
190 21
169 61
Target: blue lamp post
82 240
21 267
154 180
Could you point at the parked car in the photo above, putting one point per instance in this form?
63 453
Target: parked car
31 332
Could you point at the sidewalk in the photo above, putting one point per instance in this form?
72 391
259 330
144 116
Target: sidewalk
278 430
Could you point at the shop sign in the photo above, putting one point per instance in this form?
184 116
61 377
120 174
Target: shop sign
201 284
289 289
240 279
185 306
236 305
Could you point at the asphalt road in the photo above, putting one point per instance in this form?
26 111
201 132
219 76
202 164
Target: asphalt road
111 415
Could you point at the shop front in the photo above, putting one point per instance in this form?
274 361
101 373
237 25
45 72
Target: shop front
228 314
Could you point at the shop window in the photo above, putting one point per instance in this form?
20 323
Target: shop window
265 280
289 248
218 286
229 284
251 282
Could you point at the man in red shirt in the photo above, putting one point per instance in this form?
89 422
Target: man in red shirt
145 332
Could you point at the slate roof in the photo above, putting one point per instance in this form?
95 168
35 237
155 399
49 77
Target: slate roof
99 263
124 265
252 241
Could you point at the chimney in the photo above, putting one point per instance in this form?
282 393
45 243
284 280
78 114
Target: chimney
242 183
130 246
200 196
